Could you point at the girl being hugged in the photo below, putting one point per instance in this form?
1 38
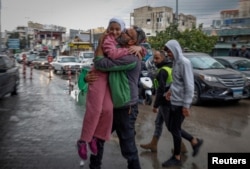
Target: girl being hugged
98 118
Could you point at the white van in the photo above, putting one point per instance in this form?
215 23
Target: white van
86 58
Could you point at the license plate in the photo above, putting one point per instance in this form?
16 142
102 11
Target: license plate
237 92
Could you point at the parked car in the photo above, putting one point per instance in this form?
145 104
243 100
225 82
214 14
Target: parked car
30 58
213 81
19 59
237 63
63 63
41 62
86 59
85 56
9 76
86 64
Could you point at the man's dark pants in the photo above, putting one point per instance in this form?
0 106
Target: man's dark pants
175 120
124 125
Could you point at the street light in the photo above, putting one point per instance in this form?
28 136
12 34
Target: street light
26 33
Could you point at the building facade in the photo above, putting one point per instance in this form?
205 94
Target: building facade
156 19
232 27
244 9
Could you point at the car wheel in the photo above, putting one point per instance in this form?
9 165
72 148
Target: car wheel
63 71
235 101
14 92
196 97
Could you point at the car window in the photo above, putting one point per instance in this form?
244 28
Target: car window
41 59
242 65
199 62
32 56
225 63
88 55
69 59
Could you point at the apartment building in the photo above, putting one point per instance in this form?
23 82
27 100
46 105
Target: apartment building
233 26
156 19
186 21
244 9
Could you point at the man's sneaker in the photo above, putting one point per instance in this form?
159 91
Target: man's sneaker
196 147
171 162
82 149
93 146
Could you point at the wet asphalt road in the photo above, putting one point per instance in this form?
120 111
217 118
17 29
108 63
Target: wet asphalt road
39 128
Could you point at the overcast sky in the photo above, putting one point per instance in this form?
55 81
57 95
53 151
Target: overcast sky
86 14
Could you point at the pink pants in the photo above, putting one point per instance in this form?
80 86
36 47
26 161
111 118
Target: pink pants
98 117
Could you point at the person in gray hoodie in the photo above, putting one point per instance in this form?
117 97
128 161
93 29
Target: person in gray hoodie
180 95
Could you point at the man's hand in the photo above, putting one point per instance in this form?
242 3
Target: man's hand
136 50
155 110
167 96
91 77
186 111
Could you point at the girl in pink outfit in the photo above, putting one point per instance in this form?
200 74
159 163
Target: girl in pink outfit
98 117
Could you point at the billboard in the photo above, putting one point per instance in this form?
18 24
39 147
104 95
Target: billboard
13 43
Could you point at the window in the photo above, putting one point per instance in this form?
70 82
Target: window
158 20
148 21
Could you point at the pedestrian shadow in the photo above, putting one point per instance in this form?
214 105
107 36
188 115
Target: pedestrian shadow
153 157
194 166
156 164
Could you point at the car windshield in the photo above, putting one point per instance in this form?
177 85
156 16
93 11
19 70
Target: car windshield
242 65
32 56
69 59
41 59
205 62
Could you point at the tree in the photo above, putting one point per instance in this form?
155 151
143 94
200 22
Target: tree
14 35
158 41
193 39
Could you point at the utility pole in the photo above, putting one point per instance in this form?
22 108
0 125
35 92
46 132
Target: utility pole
0 25
176 13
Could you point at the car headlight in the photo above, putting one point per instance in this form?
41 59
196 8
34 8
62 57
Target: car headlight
246 79
209 78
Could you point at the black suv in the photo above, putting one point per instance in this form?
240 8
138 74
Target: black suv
213 81
9 76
